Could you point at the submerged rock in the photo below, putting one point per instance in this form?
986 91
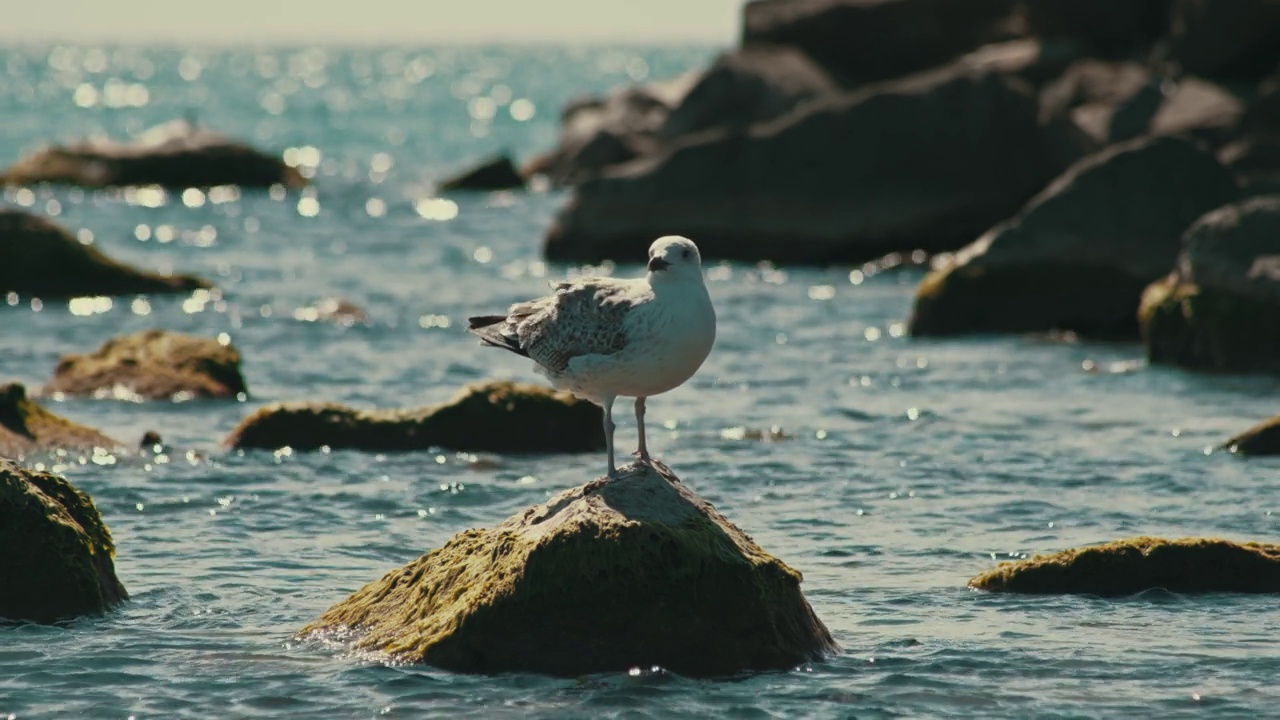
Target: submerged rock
173 155
496 416
611 575
1080 254
152 364
40 259
1261 439
494 174
1219 310
56 555
26 427
1124 567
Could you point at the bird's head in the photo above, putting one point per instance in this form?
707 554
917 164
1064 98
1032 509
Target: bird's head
673 257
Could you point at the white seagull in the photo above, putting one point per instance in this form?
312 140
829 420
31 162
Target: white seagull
601 338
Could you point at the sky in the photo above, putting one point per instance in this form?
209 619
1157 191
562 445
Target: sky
363 21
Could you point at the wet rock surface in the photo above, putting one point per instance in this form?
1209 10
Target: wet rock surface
153 365
27 427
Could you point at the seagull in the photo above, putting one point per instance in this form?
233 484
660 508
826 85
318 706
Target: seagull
602 338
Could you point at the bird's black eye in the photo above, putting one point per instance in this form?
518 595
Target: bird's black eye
685 253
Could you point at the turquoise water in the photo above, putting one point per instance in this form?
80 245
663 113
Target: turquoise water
906 466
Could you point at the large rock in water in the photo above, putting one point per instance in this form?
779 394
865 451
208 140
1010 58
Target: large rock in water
1124 567
497 173
1080 254
173 155
1261 439
612 575
152 364
926 162
496 416
56 555
26 427
41 259
1219 310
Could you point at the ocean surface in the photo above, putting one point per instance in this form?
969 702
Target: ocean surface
893 469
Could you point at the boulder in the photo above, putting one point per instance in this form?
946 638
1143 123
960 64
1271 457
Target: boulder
26 427
175 155
1105 27
56 555
865 41
496 416
41 259
1261 439
608 576
1219 310
926 162
1125 567
1234 40
497 173
1080 254
153 365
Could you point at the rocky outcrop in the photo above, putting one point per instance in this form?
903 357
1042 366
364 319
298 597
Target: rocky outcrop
1080 254
1229 40
864 42
153 365
926 162
496 416
1124 567
1104 27
1219 310
1261 439
612 575
56 555
174 155
26 427
497 173
40 259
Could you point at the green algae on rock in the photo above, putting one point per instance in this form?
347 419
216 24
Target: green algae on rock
26 427
1219 310
1125 567
1261 439
496 416
56 555
152 364
40 259
611 575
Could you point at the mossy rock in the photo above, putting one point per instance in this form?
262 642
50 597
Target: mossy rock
1078 256
1219 310
611 575
1125 567
40 259
57 559
26 427
497 416
1261 439
153 364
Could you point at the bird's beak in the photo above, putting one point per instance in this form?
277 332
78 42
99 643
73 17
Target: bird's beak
658 263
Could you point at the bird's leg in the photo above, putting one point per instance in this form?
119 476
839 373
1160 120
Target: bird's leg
643 449
608 435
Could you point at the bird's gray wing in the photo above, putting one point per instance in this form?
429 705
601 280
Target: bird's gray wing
583 317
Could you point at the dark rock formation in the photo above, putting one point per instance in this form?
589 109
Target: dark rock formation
1104 27
153 364
41 259
1261 439
26 427
497 173
1228 40
56 555
174 155
490 417
1124 567
1219 310
634 572
1080 254
926 162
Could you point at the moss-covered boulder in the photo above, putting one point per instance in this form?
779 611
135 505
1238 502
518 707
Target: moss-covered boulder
1124 567
56 555
496 416
1261 439
40 259
175 155
1080 254
26 427
1219 310
615 574
154 365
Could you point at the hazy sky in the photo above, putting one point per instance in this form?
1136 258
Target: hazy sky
713 21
